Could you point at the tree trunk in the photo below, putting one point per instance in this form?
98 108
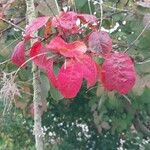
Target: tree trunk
37 99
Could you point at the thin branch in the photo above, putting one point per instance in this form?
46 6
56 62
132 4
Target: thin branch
137 37
74 3
101 9
11 23
57 6
129 101
50 8
16 72
18 27
114 8
4 62
144 62
12 26
89 5
17 39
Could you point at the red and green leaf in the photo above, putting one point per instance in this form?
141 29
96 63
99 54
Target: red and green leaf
35 25
100 43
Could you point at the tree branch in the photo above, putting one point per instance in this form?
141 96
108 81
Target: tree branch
12 24
37 99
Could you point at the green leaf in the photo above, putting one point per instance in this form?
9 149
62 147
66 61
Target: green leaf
45 86
80 3
145 98
55 94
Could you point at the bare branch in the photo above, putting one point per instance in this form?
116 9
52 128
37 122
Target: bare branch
11 23
137 37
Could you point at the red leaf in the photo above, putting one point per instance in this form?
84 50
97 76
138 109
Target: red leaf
66 22
43 62
70 79
90 19
89 68
100 43
57 44
118 73
18 55
35 25
73 49
38 53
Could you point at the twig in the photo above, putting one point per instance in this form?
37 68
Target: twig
114 8
10 44
129 101
16 72
4 62
11 23
144 62
16 26
57 6
74 3
50 8
137 37
101 9
89 5
12 26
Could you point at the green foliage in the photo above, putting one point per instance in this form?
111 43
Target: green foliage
82 123
15 131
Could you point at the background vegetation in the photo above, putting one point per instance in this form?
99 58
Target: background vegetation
94 120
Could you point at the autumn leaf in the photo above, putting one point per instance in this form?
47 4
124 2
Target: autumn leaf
89 19
38 53
70 79
118 73
89 69
35 25
66 22
100 43
48 30
42 61
73 49
18 55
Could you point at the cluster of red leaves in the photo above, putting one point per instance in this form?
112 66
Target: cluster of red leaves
116 73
